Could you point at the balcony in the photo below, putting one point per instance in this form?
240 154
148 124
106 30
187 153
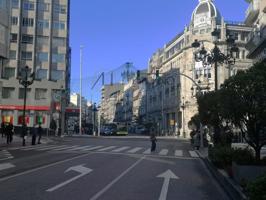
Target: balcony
252 12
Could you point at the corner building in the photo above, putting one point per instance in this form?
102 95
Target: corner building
39 39
172 102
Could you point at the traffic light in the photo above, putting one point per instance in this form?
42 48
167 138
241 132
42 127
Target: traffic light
138 74
157 74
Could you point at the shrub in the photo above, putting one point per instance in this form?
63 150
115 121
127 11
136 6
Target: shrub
257 189
221 156
243 156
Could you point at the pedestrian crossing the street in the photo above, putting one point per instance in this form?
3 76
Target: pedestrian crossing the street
4 155
111 149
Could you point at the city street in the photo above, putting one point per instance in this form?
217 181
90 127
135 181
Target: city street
106 168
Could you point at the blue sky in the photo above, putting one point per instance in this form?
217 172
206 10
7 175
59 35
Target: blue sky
117 31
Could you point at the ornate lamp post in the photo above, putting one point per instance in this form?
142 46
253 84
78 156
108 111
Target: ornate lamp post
26 79
215 56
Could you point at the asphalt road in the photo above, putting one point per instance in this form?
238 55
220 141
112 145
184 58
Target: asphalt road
107 169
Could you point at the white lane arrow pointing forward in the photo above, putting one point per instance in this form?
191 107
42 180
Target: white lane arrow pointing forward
167 176
79 168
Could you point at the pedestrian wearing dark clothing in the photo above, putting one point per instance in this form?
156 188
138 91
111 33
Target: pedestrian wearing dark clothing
24 134
9 133
34 135
153 142
3 129
39 133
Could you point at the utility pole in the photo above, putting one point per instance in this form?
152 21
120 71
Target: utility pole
80 84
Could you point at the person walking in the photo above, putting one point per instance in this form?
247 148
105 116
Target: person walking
34 135
3 129
39 132
153 142
9 133
24 134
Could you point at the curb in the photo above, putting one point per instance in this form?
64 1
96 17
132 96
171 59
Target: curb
233 190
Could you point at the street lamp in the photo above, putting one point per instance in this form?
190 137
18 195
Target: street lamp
26 79
216 56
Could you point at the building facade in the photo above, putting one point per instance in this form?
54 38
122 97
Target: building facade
172 102
256 17
39 39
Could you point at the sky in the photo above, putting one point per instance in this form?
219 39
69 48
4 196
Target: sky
114 32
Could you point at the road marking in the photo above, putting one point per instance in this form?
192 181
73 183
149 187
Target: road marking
80 169
101 192
92 148
163 152
6 166
50 147
120 149
148 151
134 150
167 176
5 155
193 154
79 148
62 148
178 153
107 148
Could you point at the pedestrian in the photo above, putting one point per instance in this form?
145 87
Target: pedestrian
34 133
196 140
153 142
9 133
3 129
40 130
24 134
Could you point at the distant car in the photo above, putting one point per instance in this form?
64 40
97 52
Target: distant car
141 130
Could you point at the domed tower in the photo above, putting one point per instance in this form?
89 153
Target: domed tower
205 14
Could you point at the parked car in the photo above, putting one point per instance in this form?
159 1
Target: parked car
122 131
141 129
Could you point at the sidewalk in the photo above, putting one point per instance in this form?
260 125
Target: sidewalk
233 190
17 141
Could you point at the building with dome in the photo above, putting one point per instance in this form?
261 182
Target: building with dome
171 100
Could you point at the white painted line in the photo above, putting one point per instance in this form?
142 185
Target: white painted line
120 149
36 147
178 153
193 154
92 148
79 148
134 150
63 148
107 148
163 152
101 192
49 147
6 166
148 151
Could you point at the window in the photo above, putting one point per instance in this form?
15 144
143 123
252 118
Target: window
27 39
41 74
60 8
202 31
28 5
42 40
14 20
3 4
167 92
58 58
57 75
235 36
57 41
42 56
13 37
27 22
43 24
26 55
40 93
237 55
7 92
15 3
172 90
12 55
243 54
9 72
21 93
43 6
59 25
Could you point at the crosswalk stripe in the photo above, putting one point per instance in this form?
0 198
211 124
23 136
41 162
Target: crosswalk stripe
134 150
107 148
50 147
38 147
62 148
79 148
26 147
193 154
92 148
6 166
120 149
148 151
163 152
178 153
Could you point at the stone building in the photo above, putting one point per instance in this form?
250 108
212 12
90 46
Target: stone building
256 17
39 39
171 102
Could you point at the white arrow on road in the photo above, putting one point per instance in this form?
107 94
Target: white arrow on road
79 168
167 175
